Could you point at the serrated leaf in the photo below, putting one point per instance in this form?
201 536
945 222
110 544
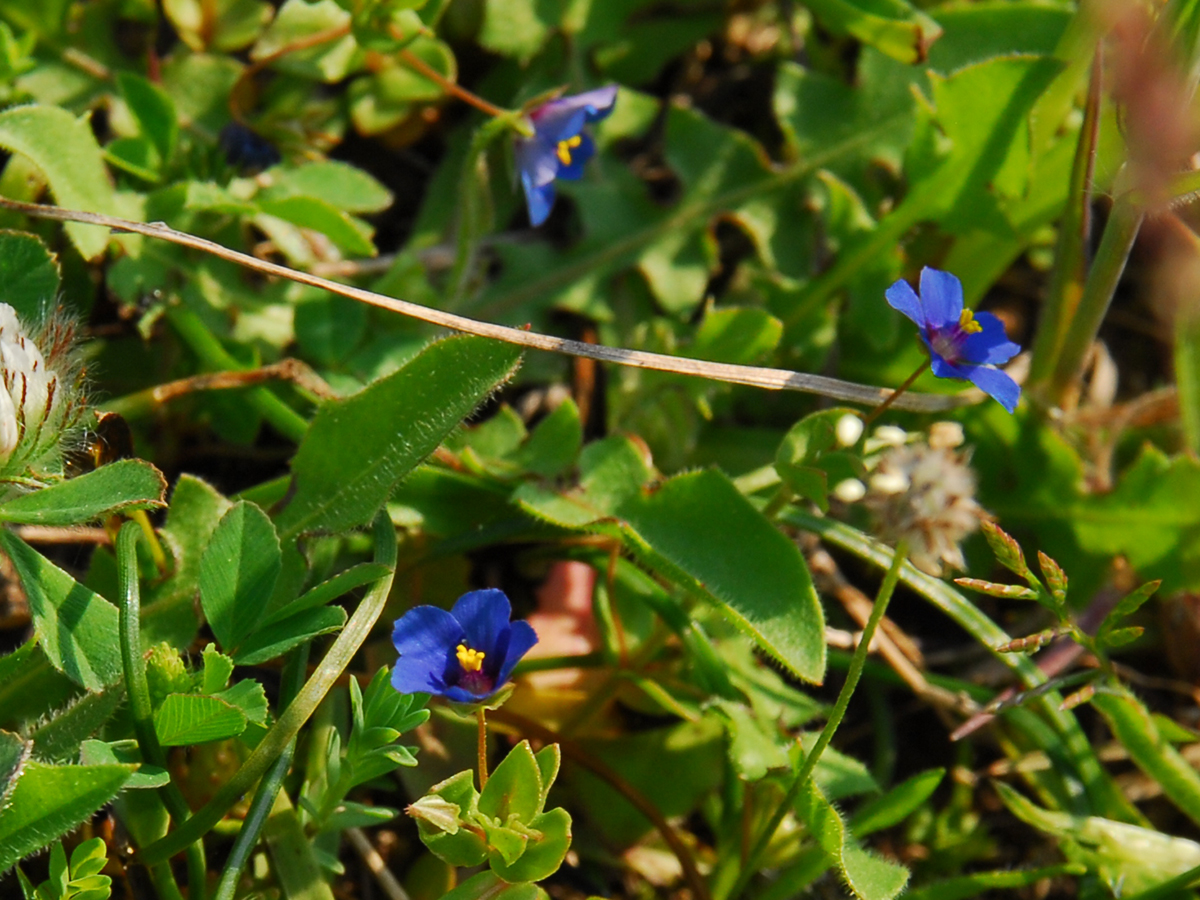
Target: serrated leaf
14 752
274 640
248 696
49 801
357 448
870 877
76 627
195 719
124 484
30 275
67 154
238 572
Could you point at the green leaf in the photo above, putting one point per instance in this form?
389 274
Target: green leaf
30 275
238 573
755 746
701 530
154 111
103 753
544 852
979 884
1133 726
554 444
58 739
121 485
328 328
389 94
349 234
357 449
870 877
297 20
217 669
218 24
339 184
194 719
1128 858
77 628
897 804
49 801
516 28
891 26
276 639
439 827
168 608
342 583
14 753
67 154
514 789
248 696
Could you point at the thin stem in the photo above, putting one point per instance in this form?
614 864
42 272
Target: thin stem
289 723
140 707
1070 256
481 720
264 798
415 62
1119 234
857 663
908 382
212 355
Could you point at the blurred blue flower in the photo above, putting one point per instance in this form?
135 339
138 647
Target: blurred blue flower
465 655
559 147
962 344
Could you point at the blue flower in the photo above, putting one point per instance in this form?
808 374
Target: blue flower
465 655
962 344
559 147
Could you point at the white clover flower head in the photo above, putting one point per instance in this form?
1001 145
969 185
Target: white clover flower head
946 435
925 495
849 490
41 394
849 429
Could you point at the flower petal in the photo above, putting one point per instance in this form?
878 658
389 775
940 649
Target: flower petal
942 368
539 199
997 385
425 638
990 346
537 161
462 695
484 618
900 296
941 297
590 106
520 640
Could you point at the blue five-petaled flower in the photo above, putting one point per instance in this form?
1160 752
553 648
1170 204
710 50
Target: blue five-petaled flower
465 655
962 344
559 147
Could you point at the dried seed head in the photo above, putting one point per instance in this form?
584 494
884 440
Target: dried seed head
926 496
41 393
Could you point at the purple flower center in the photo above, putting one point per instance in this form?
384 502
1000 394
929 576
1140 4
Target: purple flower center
947 342
474 678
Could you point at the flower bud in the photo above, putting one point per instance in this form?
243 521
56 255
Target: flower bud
849 429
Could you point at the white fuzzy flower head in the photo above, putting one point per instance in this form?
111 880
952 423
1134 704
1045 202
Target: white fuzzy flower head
925 495
40 394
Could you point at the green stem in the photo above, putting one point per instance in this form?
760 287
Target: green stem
264 798
140 707
1119 234
1070 256
857 663
216 358
286 727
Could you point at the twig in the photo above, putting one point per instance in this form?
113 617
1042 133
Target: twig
754 376
366 850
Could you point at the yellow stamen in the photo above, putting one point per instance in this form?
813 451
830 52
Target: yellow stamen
565 148
471 660
968 324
